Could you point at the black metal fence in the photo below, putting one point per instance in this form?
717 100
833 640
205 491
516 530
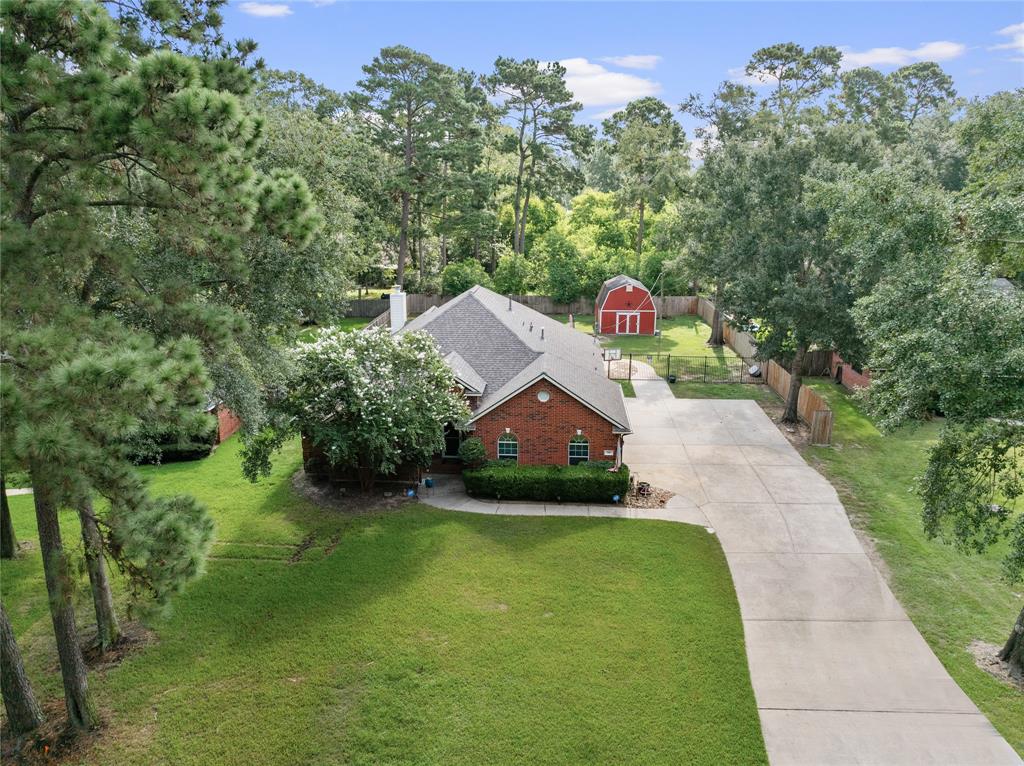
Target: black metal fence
693 369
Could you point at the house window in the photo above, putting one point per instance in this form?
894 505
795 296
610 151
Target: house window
579 450
508 447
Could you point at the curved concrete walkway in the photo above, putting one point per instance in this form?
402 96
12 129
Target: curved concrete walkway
840 674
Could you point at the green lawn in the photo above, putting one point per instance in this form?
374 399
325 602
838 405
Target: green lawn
627 389
683 335
307 334
756 391
951 597
418 636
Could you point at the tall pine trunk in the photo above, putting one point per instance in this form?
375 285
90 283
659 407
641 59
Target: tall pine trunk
108 632
795 381
521 236
717 333
8 540
1013 652
403 241
23 713
59 582
640 237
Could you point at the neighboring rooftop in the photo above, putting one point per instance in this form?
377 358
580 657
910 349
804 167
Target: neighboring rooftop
497 347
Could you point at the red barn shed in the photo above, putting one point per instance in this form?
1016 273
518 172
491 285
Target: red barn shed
624 307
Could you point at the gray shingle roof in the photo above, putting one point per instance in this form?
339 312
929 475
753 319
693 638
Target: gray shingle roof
508 346
465 374
611 284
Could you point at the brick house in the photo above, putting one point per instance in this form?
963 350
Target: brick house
624 307
537 389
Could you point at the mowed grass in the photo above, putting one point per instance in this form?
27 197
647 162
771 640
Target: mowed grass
682 335
953 598
418 636
308 333
627 389
757 391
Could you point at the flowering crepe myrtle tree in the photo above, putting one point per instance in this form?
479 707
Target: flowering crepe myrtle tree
369 400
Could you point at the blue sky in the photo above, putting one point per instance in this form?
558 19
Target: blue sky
618 51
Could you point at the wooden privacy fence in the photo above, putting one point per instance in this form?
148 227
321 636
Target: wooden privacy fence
810 407
417 303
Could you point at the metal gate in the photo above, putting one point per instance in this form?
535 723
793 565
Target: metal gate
693 369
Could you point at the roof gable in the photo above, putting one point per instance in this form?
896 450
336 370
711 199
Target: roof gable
497 345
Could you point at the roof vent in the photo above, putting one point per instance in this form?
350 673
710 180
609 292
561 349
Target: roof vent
531 326
542 333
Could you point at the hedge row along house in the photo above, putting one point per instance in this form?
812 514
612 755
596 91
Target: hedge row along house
624 307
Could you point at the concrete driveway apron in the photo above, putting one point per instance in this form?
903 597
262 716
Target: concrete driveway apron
840 674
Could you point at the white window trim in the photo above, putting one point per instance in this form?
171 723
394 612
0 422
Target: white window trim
577 440
505 436
628 315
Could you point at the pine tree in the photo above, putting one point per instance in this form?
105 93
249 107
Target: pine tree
23 713
108 124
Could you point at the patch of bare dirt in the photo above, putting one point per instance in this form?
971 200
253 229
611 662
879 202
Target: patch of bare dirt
55 742
656 499
327 495
301 548
986 657
799 434
52 743
134 638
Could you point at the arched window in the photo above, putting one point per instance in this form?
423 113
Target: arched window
508 447
579 450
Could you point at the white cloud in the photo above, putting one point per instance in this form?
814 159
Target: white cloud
755 79
266 10
703 144
1016 34
939 50
604 115
593 85
633 61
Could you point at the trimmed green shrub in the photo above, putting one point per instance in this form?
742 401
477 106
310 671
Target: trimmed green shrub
506 480
473 452
462 275
192 444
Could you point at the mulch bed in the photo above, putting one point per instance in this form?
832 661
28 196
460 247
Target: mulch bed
349 501
656 499
986 657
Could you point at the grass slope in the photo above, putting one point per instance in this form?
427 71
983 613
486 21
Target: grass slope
952 598
419 636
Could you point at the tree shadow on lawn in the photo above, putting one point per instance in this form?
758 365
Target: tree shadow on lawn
262 660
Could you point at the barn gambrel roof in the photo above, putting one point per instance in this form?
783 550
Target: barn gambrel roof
615 282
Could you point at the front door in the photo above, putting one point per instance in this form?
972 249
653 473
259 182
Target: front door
452 441
627 323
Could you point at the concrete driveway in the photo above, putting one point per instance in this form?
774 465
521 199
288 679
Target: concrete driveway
840 674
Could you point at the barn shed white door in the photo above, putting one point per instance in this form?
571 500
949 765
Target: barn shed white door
627 323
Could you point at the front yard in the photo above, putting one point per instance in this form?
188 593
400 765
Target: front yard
417 636
952 598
